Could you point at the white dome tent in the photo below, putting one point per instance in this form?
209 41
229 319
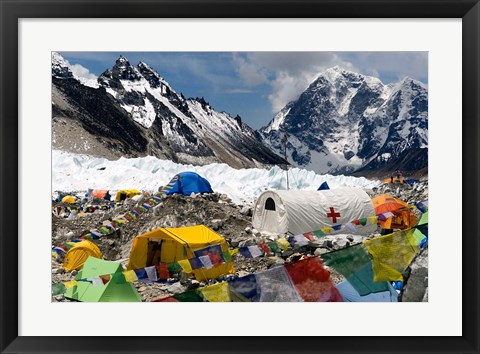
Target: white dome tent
299 211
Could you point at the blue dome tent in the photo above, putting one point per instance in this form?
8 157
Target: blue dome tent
323 186
187 183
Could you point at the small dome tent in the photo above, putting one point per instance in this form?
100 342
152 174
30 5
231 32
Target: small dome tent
99 193
403 217
79 253
68 199
298 211
187 183
126 193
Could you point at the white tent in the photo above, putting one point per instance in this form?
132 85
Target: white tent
299 211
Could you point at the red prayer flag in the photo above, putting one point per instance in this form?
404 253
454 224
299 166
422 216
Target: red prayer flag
166 299
313 281
309 236
215 258
162 270
264 247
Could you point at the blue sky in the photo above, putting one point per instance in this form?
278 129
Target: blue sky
255 85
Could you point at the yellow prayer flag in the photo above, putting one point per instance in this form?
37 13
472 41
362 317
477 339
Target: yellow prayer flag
216 293
392 254
70 284
232 252
185 264
130 276
283 243
327 230
372 219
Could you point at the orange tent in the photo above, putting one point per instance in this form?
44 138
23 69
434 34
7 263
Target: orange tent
101 193
402 218
394 180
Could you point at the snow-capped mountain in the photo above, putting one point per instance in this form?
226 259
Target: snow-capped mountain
135 112
345 121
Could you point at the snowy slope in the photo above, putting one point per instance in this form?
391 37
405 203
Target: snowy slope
345 121
71 172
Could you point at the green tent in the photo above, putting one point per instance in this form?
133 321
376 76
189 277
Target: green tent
112 291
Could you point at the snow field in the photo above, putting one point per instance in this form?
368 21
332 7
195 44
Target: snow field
77 173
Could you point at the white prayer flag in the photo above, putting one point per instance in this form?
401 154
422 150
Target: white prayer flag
151 273
207 263
255 251
351 227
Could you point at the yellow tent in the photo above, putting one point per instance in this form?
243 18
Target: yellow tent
78 254
126 193
176 244
68 199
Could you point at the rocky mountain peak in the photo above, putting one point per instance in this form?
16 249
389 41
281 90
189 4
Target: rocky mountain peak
60 67
123 70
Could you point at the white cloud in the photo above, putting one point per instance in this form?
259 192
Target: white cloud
250 72
82 72
287 73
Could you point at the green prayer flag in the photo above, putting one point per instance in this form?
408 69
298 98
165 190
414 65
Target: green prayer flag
347 260
274 246
363 221
58 289
319 233
362 281
189 296
174 267
226 256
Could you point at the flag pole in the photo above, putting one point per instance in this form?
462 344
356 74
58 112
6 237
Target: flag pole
285 146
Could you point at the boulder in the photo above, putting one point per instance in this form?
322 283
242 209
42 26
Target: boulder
216 224
176 288
320 251
246 210
340 243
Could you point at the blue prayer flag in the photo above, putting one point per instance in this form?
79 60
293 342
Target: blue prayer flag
245 252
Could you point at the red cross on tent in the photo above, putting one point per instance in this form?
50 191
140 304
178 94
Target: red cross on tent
332 214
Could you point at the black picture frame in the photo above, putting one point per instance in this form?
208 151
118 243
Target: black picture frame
12 11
